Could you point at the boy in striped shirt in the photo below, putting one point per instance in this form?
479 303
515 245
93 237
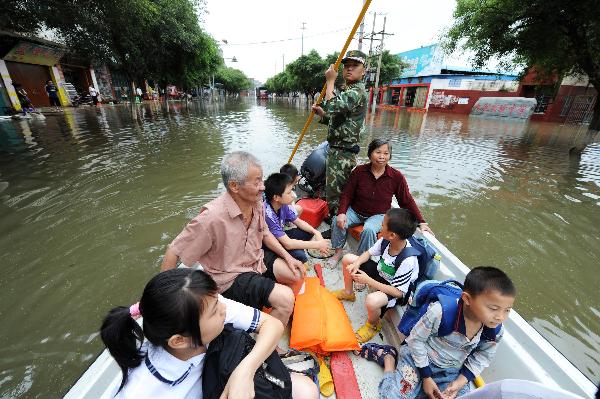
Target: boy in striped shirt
378 268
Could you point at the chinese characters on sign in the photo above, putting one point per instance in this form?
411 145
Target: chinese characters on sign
31 53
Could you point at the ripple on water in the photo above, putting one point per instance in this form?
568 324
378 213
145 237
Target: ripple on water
91 199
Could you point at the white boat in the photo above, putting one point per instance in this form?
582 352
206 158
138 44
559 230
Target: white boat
522 354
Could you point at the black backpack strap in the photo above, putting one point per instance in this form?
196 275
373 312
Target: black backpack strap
384 245
405 253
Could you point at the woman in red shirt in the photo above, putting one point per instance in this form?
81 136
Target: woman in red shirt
366 198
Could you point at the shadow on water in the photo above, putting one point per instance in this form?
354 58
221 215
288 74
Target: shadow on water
90 198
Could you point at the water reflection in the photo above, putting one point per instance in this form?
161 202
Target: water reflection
90 198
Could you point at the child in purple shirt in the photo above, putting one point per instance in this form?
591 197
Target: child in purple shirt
279 196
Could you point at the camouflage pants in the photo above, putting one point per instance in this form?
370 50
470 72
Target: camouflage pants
339 165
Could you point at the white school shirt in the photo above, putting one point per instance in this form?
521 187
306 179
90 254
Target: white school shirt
407 272
141 383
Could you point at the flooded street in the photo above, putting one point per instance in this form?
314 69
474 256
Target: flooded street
90 198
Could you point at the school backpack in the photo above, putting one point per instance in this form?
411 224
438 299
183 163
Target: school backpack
429 260
447 293
271 380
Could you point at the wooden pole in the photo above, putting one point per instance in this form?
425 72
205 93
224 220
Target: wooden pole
337 64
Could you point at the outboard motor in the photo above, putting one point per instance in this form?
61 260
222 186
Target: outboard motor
313 170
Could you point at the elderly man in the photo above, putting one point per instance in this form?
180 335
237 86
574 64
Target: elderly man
227 239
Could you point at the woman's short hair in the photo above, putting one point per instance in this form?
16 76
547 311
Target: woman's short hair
376 143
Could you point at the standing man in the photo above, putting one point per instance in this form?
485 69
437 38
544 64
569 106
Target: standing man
228 236
52 92
93 94
344 113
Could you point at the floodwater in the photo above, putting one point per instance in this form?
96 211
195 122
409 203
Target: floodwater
90 198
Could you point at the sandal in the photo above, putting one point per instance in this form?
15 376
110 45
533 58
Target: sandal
342 295
377 353
367 332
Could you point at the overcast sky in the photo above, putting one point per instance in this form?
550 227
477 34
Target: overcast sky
328 23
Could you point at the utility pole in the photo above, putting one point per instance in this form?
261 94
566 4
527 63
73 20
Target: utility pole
371 46
303 27
376 90
282 62
361 31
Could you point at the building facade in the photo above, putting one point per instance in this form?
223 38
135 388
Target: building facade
429 84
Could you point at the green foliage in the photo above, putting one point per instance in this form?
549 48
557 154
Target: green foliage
233 80
391 68
308 73
331 59
157 39
555 36
282 83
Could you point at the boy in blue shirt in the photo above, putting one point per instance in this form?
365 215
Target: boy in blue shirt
279 197
433 366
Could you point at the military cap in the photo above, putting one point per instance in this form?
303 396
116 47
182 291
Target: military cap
355 55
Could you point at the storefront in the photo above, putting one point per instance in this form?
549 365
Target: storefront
406 95
77 72
33 78
31 64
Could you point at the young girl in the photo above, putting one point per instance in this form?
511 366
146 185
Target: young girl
182 314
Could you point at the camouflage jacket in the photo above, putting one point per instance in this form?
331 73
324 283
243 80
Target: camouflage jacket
345 115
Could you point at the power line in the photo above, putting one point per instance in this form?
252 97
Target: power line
289 39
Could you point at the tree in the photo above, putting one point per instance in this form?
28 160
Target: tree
557 37
233 80
158 39
329 60
308 73
22 16
282 83
391 68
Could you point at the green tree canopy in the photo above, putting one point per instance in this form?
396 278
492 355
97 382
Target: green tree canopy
554 36
308 72
233 80
157 39
282 83
391 68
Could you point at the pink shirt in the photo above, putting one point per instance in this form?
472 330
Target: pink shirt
219 241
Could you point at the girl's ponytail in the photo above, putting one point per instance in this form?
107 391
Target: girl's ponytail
123 338
171 304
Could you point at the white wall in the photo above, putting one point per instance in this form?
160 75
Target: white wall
471 84
575 80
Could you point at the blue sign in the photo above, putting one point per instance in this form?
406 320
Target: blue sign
423 61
